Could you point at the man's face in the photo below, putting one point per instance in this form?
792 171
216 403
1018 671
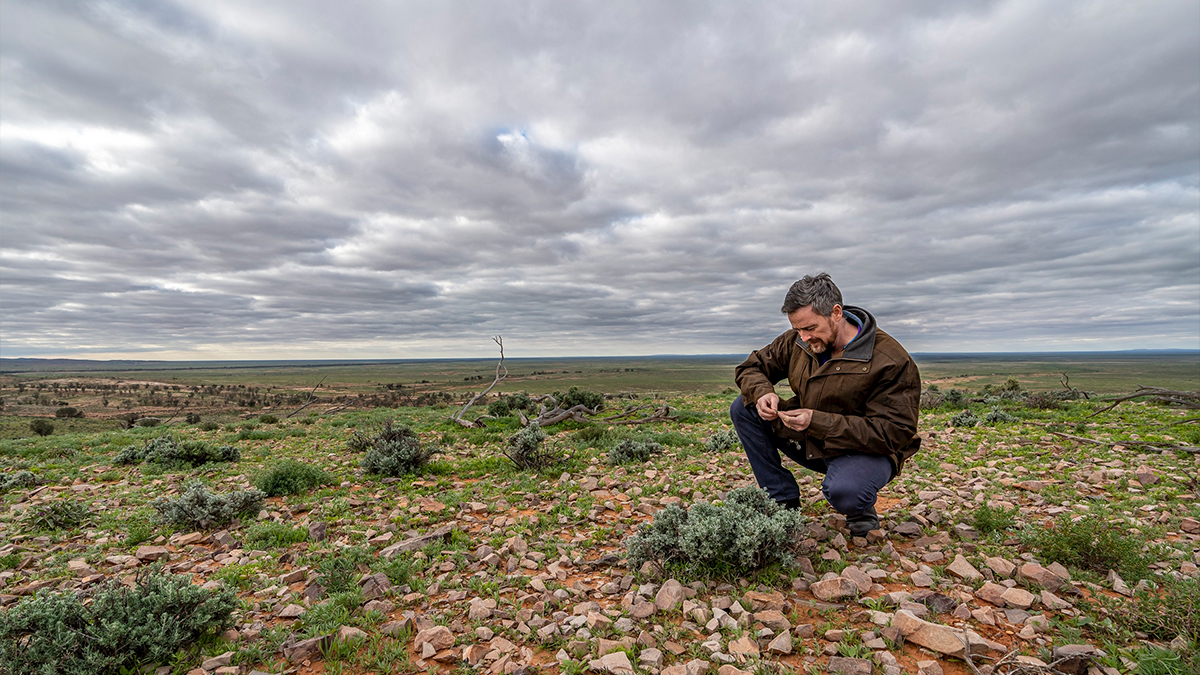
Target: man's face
819 332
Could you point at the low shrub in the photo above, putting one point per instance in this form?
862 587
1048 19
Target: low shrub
519 401
208 426
41 427
527 449
988 520
67 412
630 451
1090 544
198 509
169 453
748 531
192 418
397 453
576 396
590 436
264 536
290 477
268 419
499 408
997 415
725 439
64 514
19 479
339 572
120 630
964 418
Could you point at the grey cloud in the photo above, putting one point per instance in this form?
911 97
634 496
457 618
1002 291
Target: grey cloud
404 179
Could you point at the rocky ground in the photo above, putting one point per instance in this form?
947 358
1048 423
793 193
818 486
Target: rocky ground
477 567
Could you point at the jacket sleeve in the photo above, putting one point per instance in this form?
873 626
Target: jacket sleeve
889 422
757 375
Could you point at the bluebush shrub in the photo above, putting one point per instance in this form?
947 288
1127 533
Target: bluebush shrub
631 451
120 630
397 453
527 449
748 531
198 508
725 439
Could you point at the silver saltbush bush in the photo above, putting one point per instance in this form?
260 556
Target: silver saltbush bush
197 508
746 532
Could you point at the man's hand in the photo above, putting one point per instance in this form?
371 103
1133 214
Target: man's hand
768 406
796 420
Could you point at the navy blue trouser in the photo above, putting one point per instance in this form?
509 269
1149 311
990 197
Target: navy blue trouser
851 481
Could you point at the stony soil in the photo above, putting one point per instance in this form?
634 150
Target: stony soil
514 572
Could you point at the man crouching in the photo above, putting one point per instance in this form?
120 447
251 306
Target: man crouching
854 413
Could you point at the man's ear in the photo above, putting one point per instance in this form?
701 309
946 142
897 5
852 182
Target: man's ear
836 314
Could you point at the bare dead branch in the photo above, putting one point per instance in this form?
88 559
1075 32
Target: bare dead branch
1155 447
501 373
1187 399
307 402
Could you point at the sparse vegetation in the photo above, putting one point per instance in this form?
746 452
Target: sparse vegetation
170 453
198 508
1092 544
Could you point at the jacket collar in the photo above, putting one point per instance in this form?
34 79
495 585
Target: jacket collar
863 346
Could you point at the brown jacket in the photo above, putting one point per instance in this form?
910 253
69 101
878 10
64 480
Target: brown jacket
864 401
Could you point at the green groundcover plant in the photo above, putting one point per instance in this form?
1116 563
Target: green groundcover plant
748 531
122 628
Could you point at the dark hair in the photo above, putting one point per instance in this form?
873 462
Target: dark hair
818 291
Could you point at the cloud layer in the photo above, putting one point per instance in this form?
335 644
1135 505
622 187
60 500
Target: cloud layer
293 179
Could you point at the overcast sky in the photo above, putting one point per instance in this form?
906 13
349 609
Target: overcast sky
230 179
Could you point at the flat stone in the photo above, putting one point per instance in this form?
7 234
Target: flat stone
1052 601
993 593
671 595
963 569
743 648
939 638
773 619
758 601
728 669
439 637
350 634
217 661
642 610
615 662
413 543
151 553
1040 575
848 666
188 540
292 611
921 579
1146 476
782 644
1189 525
929 668
859 577
1018 597
834 589
1001 567
306 649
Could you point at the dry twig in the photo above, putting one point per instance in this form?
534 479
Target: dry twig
308 402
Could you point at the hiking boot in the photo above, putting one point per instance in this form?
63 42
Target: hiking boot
863 523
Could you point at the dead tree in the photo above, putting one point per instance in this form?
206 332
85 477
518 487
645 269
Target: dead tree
501 373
